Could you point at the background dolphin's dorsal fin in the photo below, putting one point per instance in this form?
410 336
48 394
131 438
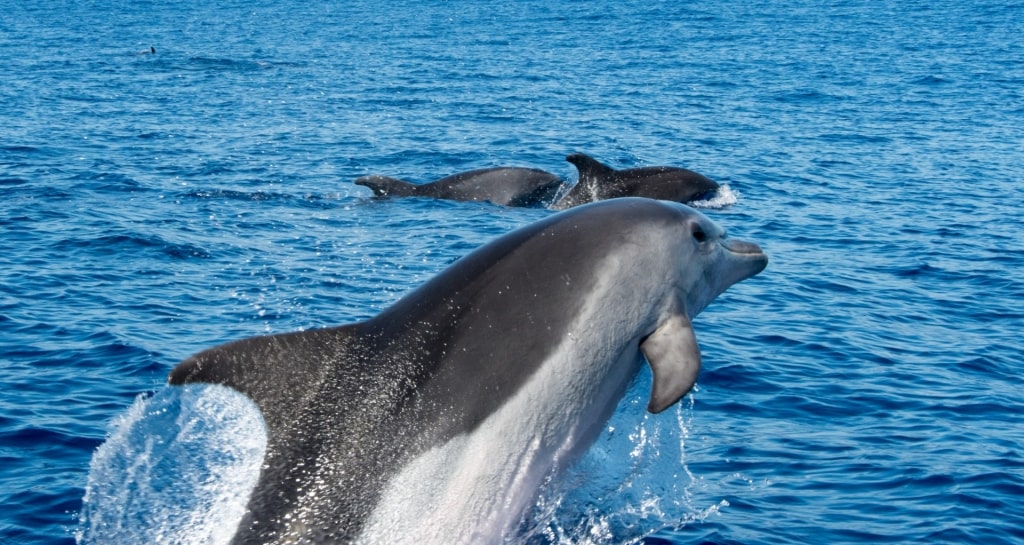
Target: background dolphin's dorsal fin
590 169
384 186
674 357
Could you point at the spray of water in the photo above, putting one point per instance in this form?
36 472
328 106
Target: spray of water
633 482
723 197
177 467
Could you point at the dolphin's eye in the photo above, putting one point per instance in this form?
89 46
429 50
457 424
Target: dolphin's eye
699 235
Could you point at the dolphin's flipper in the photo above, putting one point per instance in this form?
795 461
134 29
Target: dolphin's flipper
674 357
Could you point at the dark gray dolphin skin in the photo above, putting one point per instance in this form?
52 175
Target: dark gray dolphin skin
438 420
598 181
508 186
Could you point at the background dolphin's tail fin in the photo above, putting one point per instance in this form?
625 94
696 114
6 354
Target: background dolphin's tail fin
383 186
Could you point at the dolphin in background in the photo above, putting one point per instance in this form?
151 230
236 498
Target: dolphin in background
438 420
509 186
598 182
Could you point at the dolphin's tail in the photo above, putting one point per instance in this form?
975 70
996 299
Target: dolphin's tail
384 186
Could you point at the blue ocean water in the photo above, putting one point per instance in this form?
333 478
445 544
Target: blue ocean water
865 388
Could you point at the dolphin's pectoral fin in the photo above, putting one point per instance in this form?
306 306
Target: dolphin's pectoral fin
674 357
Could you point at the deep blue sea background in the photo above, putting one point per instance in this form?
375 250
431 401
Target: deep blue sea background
865 388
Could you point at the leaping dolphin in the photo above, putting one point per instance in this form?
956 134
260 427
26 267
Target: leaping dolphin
598 181
436 421
509 186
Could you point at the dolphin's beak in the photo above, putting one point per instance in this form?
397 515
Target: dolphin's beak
749 258
741 247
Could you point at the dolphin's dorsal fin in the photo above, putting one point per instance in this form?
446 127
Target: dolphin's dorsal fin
276 371
384 186
674 357
590 169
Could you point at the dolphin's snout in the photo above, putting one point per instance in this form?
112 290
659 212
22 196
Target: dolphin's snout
741 247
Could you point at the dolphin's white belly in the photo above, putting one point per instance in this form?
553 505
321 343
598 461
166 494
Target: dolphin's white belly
476 487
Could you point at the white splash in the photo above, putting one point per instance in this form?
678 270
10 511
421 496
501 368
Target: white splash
723 197
177 467
633 482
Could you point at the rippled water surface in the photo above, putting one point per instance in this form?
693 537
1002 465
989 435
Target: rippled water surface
865 388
